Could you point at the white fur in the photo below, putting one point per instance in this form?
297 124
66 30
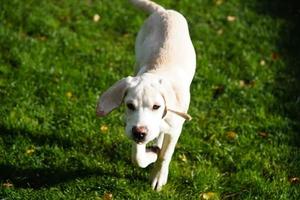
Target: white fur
165 64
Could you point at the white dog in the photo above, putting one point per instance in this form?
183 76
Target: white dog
158 97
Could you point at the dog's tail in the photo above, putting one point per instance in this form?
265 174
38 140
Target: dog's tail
147 6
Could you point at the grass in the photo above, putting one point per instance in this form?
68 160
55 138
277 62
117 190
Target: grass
243 141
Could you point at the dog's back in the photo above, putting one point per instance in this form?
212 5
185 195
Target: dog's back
163 44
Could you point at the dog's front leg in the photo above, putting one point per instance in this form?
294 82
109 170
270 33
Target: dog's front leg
142 156
159 175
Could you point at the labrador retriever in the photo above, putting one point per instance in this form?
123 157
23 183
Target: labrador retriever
158 96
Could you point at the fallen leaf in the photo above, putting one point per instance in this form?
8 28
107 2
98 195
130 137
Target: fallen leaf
275 56
69 94
183 158
231 135
246 83
263 134
96 18
220 31
218 2
209 196
262 62
231 18
103 128
242 83
42 38
8 184
107 196
294 180
30 151
126 35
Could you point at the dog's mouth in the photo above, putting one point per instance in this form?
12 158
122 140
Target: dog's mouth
141 141
154 149
138 141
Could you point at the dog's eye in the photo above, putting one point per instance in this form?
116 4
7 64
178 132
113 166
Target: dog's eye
155 107
130 106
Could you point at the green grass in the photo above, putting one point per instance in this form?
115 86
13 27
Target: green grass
55 60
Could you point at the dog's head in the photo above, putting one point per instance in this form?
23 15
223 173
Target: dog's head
147 99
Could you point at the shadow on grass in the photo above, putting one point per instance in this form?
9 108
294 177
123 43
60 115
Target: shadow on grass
9 135
46 177
43 177
287 87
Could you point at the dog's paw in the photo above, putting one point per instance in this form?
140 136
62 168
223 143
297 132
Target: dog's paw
145 159
159 177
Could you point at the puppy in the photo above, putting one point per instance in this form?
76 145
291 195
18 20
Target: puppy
158 96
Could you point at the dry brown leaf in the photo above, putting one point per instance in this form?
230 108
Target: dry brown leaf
262 62
8 184
30 151
69 94
42 38
246 83
218 2
220 31
294 180
231 18
275 56
183 158
209 196
107 196
263 134
242 83
231 135
103 128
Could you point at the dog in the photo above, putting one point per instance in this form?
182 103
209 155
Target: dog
157 98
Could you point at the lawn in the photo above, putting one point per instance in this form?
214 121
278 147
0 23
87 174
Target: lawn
56 57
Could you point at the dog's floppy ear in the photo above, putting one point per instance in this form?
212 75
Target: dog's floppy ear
112 98
181 114
172 100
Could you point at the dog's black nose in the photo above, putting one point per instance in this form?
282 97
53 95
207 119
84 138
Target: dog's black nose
139 133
